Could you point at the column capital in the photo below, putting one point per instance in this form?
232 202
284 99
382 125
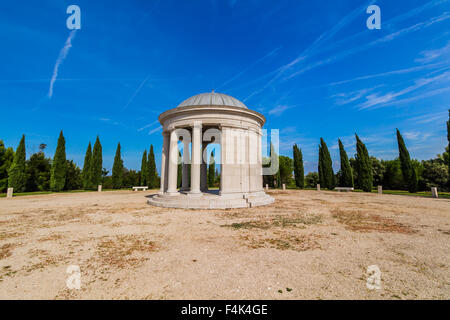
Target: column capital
197 124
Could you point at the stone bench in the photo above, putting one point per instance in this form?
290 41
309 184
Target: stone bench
347 189
140 188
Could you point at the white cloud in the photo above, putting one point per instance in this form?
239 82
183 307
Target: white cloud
279 110
430 55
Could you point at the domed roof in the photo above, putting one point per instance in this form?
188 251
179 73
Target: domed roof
212 98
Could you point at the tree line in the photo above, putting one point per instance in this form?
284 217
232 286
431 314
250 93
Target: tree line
361 171
40 173
365 171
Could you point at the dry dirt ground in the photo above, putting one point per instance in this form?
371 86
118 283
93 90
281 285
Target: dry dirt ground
306 245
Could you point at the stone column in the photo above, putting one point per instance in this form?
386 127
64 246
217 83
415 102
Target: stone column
164 153
173 163
204 169
196 157
185 168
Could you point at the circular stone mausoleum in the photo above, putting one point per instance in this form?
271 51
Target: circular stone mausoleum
198 121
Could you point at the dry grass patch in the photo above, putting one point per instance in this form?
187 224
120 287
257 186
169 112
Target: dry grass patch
120 251
8 235
368 222
298 220
284 242
6 250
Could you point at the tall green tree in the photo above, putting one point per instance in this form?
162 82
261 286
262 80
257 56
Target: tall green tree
364 166
299 171
59 165
38 170
284 174
325 167
73 176
408 171
144 169
211 170
96 165
448 139
6 159
346 178
152 175
117 170
179 170
16 174
86 173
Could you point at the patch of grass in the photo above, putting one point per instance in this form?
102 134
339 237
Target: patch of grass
6 250
282 221
118 251
368 222
285 242
7 235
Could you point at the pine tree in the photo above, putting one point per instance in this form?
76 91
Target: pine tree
211 170
59 166
299 171
144 169
408 171
365 178
16 174
96 165
346 169
86 173
117 170
327 166
152 176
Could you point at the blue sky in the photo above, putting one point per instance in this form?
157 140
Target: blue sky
311 67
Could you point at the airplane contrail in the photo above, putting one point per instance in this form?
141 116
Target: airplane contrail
62 55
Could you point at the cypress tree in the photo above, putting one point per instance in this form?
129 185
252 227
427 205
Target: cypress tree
144 169
408 171
365 178
16 174
346 169
59 166
6 159
211 170
86 173
299 171
320 168
152 177
179 170
96 165
327 166
117 170
448 139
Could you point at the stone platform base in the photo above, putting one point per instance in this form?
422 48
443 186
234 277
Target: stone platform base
210 200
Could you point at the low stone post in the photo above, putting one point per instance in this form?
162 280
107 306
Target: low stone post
318 187
434 192
284 186
99 188
380 189
9 193
267 187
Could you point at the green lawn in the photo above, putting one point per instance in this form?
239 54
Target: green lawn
426 194
3 195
